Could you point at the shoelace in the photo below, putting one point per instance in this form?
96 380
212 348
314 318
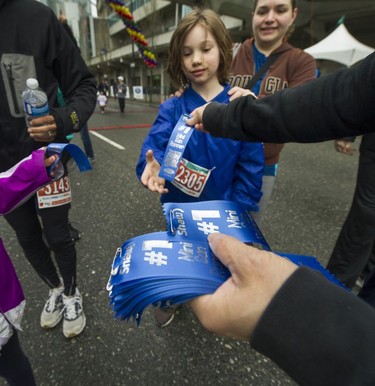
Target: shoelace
70 309
53 296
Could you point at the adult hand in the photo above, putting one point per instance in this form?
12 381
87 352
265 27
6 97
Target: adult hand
344 147
178 93
43 129
150 176
197 117
235 308
237 92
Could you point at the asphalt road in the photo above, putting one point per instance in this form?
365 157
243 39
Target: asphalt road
311 198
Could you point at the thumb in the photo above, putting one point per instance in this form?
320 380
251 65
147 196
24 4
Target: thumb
238 257
149 156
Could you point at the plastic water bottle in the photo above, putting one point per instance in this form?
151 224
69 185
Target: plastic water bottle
35 101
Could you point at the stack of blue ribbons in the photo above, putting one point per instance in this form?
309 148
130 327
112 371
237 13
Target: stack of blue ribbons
173 267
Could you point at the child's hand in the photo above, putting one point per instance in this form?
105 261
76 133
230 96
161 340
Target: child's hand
150 176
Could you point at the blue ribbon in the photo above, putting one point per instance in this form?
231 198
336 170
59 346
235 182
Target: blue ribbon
175 149
173 267
75 151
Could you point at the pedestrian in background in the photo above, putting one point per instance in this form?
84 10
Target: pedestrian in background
102 101
120 92
103 87
56 63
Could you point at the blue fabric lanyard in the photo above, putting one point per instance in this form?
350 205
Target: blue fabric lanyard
259 60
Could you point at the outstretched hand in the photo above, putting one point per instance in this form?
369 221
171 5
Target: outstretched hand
235 308
150 176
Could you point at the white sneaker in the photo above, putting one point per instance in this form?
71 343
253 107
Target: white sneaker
74 318
52 311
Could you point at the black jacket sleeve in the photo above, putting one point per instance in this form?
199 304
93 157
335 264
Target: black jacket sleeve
318 333
75 81
334 106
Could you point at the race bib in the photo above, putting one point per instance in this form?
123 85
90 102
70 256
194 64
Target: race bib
55 193
191 178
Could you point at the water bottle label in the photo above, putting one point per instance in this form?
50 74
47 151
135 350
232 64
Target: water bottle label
36 111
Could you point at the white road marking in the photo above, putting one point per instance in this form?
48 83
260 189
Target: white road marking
105 139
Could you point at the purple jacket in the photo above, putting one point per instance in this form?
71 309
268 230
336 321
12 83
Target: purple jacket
16 185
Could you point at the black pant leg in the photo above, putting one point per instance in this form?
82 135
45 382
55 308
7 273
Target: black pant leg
355 242
56 228
25 222
14 364
121 102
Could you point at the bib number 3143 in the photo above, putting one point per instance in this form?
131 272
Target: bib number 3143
55 193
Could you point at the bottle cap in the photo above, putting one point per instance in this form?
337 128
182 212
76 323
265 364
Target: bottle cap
32 83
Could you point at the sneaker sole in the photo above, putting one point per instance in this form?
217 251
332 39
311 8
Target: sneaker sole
74 334
49 326
167 323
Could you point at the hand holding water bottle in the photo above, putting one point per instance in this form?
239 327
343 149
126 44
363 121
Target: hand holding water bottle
41 125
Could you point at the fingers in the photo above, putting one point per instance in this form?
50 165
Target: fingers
149 156
236 307
344 147
150 176
50 160
196 119
237 92
235 255
43 129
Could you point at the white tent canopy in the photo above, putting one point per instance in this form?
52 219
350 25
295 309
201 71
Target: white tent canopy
340 47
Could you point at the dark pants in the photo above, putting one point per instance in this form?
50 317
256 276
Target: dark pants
86 140
14 364
25 222
355 246
367 293
121 103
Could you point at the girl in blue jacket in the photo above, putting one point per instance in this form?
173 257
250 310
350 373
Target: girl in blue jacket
211 168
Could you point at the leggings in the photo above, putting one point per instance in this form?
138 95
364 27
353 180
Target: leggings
25 222
14 364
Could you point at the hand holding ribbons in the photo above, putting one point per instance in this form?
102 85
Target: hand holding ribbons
176 266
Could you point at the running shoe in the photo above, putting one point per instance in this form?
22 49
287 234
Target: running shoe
74 318
52 311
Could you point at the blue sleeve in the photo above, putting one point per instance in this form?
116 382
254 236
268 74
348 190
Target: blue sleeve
247 187
159 134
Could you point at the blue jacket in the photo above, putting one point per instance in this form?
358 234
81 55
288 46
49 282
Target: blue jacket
237 166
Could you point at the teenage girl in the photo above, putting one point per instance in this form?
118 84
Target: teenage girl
272 23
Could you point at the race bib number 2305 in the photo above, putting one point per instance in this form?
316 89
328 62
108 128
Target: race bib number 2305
191 178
